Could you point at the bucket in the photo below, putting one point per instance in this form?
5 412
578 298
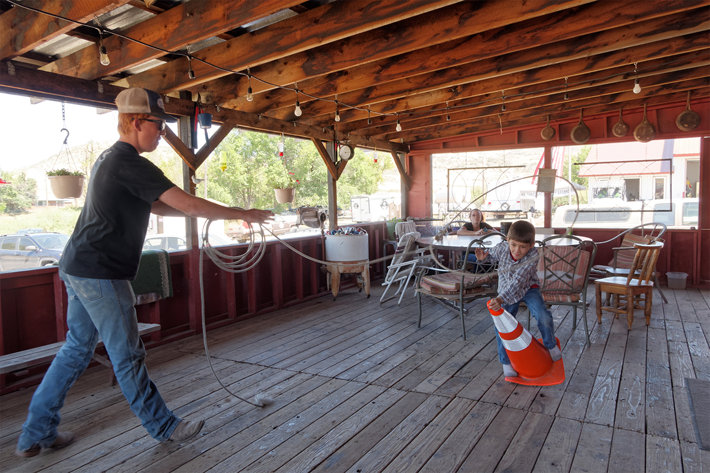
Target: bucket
676 280
346 247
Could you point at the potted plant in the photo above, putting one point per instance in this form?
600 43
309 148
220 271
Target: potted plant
285 187
66 184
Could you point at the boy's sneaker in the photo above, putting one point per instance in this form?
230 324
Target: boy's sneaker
509 372
555 353
186 429
63 439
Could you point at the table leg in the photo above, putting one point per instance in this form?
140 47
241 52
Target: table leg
334 281
366 278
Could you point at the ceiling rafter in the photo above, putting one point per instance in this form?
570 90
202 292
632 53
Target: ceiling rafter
171 30
407 61
447 24
568 24
22 30
650 31
280 40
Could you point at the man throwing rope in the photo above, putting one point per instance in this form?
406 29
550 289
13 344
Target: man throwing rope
98 263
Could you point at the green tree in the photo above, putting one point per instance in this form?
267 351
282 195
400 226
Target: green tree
18 196
253 168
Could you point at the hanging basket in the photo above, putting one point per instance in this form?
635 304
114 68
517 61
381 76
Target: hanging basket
286 195
67 187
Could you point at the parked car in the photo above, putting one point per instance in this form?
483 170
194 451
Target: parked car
164 242
31 250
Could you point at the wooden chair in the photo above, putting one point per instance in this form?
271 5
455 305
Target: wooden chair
563 271
635 290
454 288
623 255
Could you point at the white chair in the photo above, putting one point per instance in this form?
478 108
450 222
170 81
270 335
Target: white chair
407 259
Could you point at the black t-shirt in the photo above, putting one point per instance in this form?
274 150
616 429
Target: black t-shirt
484 226
108 237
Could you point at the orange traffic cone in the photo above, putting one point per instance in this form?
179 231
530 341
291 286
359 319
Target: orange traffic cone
528 356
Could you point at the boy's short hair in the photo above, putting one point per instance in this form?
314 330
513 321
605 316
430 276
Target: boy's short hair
125 121
522 231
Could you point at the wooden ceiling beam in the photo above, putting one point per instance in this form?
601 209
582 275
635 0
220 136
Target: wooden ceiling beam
578 98
585 73
561 112
444 25
569 24
285 38
46 84
651 31
172 30
22 30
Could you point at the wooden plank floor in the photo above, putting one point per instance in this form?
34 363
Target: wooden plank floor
358 388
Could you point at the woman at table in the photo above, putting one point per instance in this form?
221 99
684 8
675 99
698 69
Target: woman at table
477 225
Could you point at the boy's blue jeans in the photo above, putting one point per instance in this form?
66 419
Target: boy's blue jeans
106 307
536 306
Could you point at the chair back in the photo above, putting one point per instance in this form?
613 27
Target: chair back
644 264
406 248
401 228
643 234
564 270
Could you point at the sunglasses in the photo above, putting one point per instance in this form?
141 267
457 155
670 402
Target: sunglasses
160 123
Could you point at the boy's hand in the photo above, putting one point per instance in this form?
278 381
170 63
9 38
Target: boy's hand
495 303
481 254
257 215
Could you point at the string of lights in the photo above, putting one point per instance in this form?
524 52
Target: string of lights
105 61
298 111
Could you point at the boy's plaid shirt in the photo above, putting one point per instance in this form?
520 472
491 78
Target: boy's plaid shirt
515 278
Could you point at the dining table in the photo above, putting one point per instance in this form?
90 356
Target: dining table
456 245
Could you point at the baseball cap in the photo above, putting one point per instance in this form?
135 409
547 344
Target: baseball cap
137 100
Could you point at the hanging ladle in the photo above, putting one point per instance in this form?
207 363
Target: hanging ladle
620 128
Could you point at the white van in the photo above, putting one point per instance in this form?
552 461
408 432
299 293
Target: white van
615 214
680 212
622 214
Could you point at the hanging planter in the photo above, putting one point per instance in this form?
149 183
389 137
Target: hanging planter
66 184
285 195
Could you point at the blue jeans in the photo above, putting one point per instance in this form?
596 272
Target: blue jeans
105 307
536 306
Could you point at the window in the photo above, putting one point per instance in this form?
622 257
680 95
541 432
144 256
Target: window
9 243
659 186
26 243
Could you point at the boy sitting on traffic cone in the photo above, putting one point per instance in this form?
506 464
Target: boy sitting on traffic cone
517 281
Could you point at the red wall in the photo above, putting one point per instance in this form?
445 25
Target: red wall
32 303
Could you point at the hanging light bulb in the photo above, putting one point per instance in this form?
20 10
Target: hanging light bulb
103 53
190 72
337 112
297 111
250 92
637 87
566 96
398 127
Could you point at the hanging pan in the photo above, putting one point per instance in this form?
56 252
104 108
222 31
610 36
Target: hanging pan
548 132
687 120
620 128
644 131
580 133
